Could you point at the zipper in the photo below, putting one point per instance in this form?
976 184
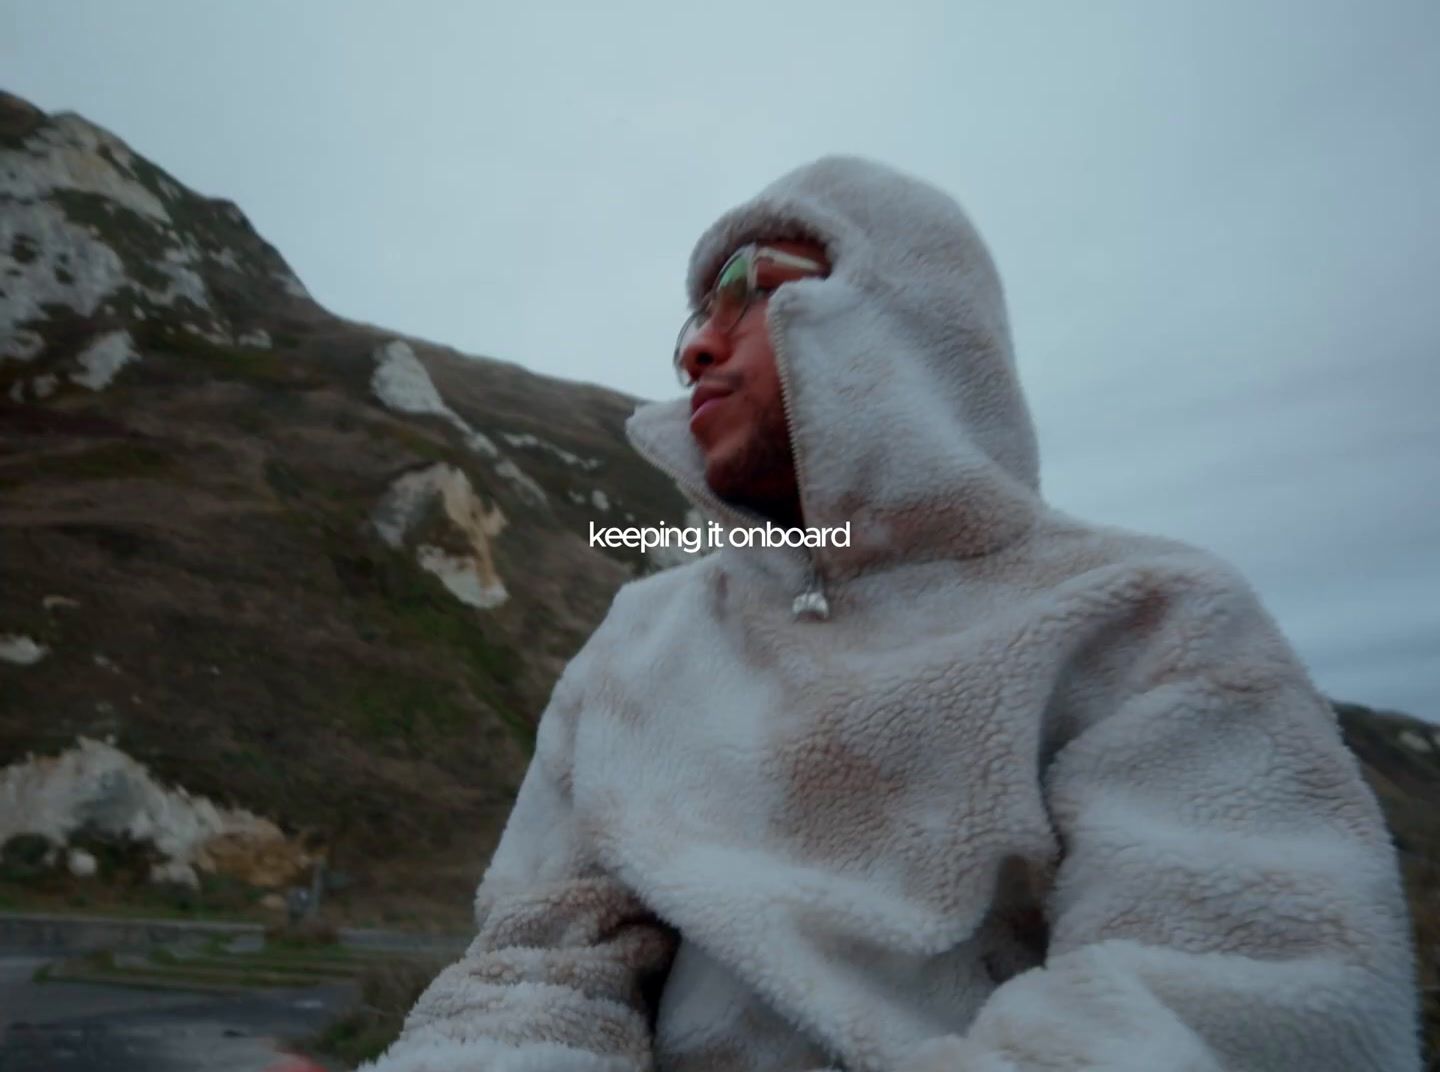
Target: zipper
811 603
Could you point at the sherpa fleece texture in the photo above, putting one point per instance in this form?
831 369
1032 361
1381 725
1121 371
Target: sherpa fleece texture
1037 794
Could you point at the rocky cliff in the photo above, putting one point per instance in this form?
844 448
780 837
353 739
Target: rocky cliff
290 563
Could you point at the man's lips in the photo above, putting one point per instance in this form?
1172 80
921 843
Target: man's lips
706 396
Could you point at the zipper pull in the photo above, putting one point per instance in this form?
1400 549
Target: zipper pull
811 604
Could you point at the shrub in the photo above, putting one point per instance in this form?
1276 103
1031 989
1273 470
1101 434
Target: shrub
25 856
307 934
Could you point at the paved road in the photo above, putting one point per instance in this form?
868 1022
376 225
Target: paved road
80 1027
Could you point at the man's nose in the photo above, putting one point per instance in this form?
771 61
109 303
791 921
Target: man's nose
708 348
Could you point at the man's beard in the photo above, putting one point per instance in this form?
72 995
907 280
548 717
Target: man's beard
761 476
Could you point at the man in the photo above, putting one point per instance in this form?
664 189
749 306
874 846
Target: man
987 789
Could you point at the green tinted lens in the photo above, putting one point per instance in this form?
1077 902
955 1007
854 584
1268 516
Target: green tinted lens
732 289
725 304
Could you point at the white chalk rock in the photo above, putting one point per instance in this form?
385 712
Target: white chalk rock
96 785
176 873
68 266
21 650
471 576
22 345
1415 742
103 359
402 383
81 864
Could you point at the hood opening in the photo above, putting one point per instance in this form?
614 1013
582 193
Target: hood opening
902 391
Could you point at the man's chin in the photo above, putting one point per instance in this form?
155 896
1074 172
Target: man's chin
721 480
738 471
727 476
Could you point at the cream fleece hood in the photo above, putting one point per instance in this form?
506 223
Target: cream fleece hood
1036 795
907 418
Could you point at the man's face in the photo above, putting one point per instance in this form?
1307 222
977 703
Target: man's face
737 412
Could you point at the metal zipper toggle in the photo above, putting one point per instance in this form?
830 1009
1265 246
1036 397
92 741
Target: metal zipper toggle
811 604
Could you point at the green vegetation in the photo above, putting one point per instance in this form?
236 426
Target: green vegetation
416 442
25 856
304 937
1422 881
137 902
1407 783
34 878
388 990
285 480
413 611
416 613
388 706
429 614
224 361
237 363
214 965
107 461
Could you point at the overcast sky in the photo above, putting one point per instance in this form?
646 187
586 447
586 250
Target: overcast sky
1218 222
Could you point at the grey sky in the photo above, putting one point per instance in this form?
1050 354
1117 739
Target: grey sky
1218 222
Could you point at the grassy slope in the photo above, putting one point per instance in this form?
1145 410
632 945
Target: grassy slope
208 514
1407 782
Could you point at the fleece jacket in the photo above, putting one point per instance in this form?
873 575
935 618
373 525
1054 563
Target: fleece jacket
987 789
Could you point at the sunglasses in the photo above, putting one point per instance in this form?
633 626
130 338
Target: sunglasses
735 289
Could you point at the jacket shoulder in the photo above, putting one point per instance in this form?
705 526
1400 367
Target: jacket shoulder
1065 549
1160 609
643 601
637 609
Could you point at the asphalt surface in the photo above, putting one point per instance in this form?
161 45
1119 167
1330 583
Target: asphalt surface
84 1027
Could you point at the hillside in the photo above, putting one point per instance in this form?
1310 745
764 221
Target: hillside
289 562
1400 756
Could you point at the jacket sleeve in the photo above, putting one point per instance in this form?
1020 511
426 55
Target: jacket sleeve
560 973
1228 896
